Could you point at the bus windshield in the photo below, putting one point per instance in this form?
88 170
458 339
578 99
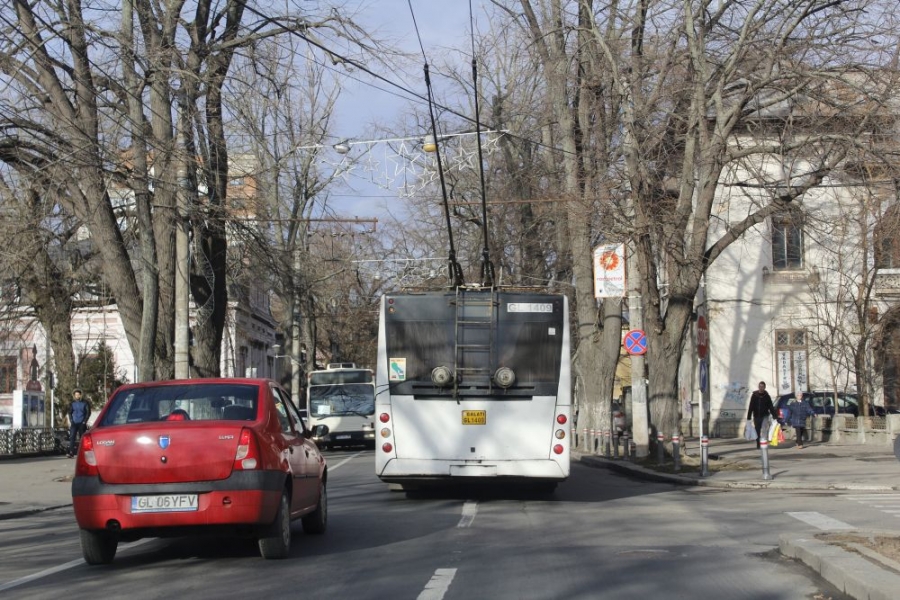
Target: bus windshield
339 400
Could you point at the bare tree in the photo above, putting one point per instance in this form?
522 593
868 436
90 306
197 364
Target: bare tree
132 113
697 86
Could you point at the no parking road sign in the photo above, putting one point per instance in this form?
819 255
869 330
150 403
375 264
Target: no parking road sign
636 342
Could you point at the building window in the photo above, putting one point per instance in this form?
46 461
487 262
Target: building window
791 353
887 245
787 245
8 374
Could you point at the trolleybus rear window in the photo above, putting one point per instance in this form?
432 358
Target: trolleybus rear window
424 330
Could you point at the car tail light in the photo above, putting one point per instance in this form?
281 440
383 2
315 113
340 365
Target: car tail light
561 419
247 456
87 460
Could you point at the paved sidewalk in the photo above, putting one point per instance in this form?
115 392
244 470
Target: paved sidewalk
35 483
736 463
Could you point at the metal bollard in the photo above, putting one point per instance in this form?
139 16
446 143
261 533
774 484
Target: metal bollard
676 450
592 444
764 452
606 448
584 438
615 444
626 446
704 456
660 448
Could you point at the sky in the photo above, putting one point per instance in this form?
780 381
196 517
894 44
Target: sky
365 103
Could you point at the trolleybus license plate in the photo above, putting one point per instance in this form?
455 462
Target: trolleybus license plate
164 503
474 417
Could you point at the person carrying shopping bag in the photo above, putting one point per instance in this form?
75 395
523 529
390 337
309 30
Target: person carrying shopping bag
760 407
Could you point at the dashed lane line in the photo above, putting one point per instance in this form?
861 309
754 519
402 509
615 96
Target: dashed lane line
469 510
438 585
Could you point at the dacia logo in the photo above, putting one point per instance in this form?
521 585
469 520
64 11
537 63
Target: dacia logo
163 441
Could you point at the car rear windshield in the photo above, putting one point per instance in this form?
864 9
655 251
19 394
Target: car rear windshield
188 402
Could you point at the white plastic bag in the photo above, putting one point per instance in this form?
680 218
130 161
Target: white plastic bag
749 431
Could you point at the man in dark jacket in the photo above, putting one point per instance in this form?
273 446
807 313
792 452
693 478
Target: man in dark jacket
79 413
760 406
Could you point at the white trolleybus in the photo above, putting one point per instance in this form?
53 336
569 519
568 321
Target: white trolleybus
473 385
342 397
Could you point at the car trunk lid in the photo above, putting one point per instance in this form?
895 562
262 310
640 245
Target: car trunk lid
166 452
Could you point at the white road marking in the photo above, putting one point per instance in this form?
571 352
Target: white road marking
343 462
469 510
438 585
821 521
57 569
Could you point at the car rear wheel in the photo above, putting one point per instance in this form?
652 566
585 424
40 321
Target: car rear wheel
317 521
98 547
276 540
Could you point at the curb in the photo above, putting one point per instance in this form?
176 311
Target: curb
847 571
621 466
24 512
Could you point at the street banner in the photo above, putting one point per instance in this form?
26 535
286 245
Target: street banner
609 271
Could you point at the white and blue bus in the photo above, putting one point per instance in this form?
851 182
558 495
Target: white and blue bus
342 397
473 385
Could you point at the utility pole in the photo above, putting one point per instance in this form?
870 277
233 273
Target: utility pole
182 270
640 422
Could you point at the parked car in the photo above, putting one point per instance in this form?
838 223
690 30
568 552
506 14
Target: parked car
181 457
822 402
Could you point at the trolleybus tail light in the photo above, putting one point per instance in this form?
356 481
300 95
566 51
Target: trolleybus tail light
387 447
384 417
561 419
441 376
558 449
385 433
504 377
560 434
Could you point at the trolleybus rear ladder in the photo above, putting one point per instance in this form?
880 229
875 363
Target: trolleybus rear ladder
475 326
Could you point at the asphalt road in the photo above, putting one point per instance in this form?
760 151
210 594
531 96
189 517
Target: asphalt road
601 535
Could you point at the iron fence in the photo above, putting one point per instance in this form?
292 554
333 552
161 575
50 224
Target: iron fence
33 440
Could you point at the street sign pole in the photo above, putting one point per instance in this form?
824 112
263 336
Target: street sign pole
640 422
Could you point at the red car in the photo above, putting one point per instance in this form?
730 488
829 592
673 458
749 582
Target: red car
189 456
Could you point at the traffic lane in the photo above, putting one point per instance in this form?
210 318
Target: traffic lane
364 517
648 540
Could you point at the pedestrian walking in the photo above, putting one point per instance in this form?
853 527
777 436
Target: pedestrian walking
760 407
800 409
79 413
